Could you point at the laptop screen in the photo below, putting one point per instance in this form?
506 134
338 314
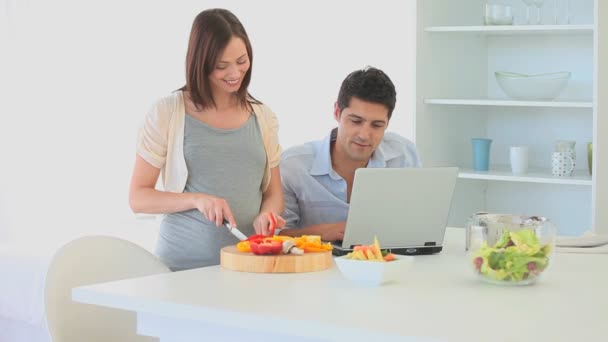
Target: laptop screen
403 207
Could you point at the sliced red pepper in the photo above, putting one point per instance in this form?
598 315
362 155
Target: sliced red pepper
256 237
265 247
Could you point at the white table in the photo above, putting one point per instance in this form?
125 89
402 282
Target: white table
439 299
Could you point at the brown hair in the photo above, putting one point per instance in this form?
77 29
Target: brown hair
370 85
211 31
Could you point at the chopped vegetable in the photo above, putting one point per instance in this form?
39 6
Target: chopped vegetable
516 256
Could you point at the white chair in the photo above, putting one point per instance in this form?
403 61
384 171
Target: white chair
90 260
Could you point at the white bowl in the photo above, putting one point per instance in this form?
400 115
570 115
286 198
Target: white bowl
498 20
541 87
498 14
373 273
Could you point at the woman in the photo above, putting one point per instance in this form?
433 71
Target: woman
217 149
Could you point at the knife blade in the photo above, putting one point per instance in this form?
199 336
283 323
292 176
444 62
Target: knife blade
235 231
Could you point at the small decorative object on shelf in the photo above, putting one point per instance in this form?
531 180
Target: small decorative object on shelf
481 153
567 146
519 159
562 164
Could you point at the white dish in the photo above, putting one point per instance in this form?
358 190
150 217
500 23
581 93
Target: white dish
498 14
373 273
541 87
498 21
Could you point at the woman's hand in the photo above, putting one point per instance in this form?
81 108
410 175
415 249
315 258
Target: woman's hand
214 209
263 224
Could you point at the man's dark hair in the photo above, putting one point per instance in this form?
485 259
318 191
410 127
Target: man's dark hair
370 85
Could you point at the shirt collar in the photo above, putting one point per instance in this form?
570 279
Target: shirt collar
322 163
377 159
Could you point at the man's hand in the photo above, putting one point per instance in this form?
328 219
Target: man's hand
332 231
327 231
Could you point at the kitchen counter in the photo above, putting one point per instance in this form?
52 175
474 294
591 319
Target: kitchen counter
438 299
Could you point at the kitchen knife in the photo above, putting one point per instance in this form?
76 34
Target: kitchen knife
235 231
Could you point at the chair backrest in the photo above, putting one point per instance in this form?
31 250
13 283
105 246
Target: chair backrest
90 260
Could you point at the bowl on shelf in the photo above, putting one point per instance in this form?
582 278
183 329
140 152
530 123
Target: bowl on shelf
498 14
489 21
509 249
540 87
373 273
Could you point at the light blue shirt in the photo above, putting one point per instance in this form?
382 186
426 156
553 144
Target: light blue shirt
315 193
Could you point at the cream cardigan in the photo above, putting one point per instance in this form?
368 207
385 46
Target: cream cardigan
161 140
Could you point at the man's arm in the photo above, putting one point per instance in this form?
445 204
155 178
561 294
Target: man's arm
327 231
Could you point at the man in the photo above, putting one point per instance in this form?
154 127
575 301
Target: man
317 177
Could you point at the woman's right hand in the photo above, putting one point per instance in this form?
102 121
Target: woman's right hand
214 209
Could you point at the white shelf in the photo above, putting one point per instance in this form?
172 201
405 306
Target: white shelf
510 103
503 173
515 29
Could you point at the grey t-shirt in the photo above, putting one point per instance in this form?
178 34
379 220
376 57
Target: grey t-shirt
225 163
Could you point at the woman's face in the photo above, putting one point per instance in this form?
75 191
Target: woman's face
230 68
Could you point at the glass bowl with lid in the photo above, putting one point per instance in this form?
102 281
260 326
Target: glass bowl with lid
509 249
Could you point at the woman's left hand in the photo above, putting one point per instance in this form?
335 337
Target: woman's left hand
266 222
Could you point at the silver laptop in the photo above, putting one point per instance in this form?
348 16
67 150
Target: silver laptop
406 208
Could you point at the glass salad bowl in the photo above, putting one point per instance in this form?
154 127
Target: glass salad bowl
541 87
509 249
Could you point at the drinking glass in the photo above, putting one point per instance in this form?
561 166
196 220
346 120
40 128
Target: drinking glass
538 4
556 12
528 5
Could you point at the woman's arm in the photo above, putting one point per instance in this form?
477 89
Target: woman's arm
144 198
272 201
273 196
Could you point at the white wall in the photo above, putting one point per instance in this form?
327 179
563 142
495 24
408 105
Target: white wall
78 76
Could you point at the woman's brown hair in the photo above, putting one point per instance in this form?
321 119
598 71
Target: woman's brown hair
211 31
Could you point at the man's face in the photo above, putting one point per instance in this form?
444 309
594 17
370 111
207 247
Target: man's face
361 127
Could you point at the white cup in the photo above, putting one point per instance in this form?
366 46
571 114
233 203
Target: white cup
562 164
519 159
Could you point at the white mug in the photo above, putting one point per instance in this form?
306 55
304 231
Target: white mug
562 164
519 159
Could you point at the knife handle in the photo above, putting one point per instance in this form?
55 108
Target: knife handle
227 224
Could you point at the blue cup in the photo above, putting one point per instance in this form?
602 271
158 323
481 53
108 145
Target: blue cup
481 154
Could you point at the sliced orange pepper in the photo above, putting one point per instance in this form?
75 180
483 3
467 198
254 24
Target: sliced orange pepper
281 238
243 246
316 247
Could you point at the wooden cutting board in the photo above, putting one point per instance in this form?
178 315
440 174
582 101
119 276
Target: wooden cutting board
232 259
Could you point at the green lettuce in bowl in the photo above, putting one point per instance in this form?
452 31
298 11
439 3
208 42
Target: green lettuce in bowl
518 258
